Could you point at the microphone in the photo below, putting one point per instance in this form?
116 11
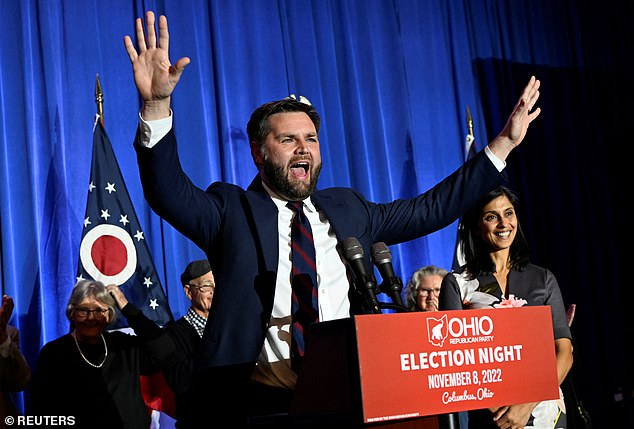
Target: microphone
364 282
392 285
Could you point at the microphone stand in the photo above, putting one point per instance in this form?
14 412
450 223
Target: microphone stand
392 287
365 286
448 421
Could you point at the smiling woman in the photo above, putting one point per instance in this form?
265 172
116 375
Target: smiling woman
498 273
93 374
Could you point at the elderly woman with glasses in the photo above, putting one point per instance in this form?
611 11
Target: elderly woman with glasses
91 377
424 287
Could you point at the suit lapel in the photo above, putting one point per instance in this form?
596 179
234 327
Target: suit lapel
264 221
263 224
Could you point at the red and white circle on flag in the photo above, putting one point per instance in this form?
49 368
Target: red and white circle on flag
108 254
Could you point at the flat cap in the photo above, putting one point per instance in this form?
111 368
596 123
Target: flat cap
194 270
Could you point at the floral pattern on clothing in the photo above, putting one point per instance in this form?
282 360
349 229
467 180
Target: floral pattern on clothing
476 295
511 302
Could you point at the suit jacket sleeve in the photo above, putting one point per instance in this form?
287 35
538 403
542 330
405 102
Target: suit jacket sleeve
173 196
157 348
407 219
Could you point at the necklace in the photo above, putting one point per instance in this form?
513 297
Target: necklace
105 346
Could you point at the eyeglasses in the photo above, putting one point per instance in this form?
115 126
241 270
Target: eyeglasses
97 313
203 287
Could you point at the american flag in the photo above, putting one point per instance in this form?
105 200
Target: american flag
113 246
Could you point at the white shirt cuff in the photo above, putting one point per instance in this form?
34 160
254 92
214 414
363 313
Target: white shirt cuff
153 131
499 164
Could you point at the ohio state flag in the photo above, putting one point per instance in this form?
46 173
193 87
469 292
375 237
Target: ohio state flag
113 247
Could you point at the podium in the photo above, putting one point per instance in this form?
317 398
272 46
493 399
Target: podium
402 370
328 389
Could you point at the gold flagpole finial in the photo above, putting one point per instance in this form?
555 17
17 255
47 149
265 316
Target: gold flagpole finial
99 99
469 122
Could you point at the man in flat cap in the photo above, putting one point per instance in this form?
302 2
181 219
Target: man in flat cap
186 332
198 284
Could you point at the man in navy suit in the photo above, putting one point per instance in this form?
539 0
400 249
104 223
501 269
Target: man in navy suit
246 233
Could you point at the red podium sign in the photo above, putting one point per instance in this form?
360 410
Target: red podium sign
425 363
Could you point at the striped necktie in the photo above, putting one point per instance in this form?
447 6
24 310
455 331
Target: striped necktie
304 309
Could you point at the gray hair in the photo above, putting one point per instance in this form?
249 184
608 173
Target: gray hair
413 283
91 289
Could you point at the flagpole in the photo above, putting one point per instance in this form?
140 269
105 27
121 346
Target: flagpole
469 152
99 99
469 122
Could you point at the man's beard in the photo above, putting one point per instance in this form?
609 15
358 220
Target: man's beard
277 178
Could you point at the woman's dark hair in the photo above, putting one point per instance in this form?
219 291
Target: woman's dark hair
476 252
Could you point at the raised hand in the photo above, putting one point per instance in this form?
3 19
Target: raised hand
118 295
154 75
517 124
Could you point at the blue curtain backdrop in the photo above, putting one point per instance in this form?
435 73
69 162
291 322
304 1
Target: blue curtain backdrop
392 80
